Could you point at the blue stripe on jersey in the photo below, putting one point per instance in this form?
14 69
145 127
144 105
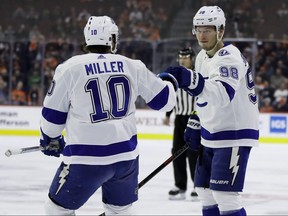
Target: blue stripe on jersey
202 104
230 135
230 91
101 150
160 100
54 116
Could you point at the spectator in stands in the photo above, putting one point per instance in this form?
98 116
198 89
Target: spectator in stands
34 78
265 93
33 96
36 35
259 17
48 75
281 96
284 68
3 69
19 96
136 14
19 13
154 33
32 14
266 107
282 12
3 92
260 84
269 65
21 33
83 15
262 72
277 78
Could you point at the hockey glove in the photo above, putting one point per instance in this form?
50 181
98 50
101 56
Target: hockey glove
189 80
52 146
169 77
192 134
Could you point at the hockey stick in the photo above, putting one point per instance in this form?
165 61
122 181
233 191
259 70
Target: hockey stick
158 169
163 165
10 152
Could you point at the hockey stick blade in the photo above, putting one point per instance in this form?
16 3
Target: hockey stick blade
10 152
161 167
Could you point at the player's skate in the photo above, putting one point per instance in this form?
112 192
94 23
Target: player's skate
194 196
177 194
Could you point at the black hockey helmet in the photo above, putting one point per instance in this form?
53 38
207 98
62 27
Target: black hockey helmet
187 51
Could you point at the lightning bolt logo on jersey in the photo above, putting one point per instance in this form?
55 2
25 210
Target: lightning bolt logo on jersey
229 166
62 176
234 163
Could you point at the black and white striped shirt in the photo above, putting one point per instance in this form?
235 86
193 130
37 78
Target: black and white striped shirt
184 104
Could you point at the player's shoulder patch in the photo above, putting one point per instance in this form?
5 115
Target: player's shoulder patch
223 52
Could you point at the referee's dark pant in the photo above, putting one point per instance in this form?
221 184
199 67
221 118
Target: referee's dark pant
180 163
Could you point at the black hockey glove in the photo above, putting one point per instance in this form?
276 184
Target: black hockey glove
192 134
52 146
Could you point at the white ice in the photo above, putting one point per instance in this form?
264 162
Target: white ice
25 179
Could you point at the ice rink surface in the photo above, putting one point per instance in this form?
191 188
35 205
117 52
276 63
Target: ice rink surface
25 180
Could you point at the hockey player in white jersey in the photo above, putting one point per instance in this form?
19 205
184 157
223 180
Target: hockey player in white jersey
92 96
227 109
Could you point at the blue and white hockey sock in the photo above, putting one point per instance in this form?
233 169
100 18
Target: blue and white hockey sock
211 211
240 212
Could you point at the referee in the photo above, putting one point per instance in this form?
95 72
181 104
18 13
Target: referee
183 108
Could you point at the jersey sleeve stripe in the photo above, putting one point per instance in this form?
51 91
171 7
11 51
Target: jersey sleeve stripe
54 116
230 91
160 100
101 150
230 135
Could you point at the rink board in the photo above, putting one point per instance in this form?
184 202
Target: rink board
24 121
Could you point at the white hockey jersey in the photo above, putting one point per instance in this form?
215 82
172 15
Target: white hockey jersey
227 106
93 97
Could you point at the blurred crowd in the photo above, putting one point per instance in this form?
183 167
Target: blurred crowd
64 20
254 18
35 37
271 78
137 19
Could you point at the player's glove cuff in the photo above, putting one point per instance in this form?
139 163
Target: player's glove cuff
197 84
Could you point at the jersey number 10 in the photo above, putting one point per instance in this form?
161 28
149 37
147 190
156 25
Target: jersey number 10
118 89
